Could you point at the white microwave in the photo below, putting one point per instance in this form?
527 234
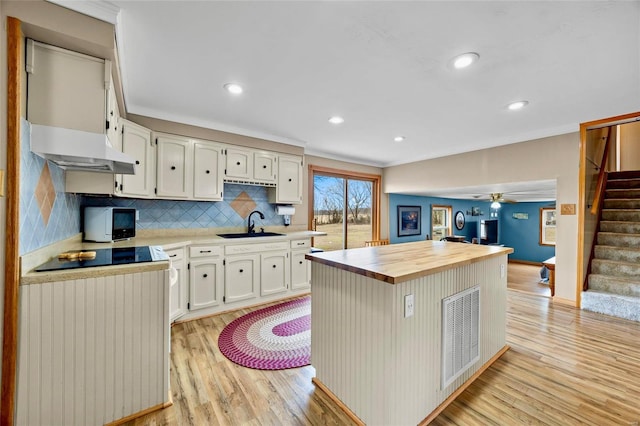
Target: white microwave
106 224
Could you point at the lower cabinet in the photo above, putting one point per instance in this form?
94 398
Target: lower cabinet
241 277
178 290
274 272
206 275
300 270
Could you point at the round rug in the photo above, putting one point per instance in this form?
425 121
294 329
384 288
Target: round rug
272 338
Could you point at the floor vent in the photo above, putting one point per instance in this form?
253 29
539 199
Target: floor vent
460 333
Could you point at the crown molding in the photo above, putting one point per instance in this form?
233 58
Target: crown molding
102 10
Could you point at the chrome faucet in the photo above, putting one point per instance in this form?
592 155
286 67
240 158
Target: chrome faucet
251 226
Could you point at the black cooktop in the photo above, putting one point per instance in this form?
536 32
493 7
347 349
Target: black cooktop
104 257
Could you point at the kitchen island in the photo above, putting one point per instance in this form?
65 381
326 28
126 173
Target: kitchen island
380 343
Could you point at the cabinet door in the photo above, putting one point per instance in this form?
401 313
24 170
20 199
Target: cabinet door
178 289
300 270
274 272
173 178
113 117
264 166
207 171
289 186
205 283
241 277
239 163
136 142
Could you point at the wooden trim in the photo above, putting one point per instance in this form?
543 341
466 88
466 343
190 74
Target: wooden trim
337 401
141 413
435 413
12 259
375 193
566 302
524 262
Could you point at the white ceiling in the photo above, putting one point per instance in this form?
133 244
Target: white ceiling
385 67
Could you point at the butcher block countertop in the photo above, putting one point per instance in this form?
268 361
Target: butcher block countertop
397 263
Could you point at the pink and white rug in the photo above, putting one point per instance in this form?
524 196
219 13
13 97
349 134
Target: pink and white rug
272 338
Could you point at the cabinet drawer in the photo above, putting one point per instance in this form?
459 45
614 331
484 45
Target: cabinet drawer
296 244
256 248
205 251
175 254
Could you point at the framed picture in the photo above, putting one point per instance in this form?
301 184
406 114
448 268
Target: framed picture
409 218
547 226
459 220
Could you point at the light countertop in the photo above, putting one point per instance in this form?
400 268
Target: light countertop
397 263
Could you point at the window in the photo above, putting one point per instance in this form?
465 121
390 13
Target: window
345 205
440 221
547 226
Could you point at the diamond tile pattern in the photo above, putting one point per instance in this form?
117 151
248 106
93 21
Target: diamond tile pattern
239 201
47 213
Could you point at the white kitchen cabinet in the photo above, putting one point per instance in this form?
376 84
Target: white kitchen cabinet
239 164
274 272
135 141
208 163
114 133
300 267
288 189
174 174
178 290
264 166
241 277
206 276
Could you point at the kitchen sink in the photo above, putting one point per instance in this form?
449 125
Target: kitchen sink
250 235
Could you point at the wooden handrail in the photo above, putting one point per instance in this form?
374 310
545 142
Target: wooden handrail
601 185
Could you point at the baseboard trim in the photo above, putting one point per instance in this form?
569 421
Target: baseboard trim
142 413
525 262
567 302
337 401
435 413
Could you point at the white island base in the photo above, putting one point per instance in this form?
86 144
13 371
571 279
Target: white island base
384 368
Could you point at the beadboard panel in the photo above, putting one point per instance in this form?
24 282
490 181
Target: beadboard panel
384 367
93 350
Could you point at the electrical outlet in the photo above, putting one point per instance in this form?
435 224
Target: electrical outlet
502 271
409 305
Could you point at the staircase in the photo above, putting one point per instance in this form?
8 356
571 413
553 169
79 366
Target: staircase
614 281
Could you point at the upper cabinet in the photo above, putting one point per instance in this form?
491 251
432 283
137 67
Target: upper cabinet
188 168
264 166
245 165
239 164
288 189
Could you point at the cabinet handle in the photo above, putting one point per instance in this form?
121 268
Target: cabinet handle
137 162
274 266
300 244
204 275
174 167
205 251
207 172
289 179
173 255
238 163
301 262
264 167
241 270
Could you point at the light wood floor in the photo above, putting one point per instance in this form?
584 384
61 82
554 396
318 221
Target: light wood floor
526 278
565 367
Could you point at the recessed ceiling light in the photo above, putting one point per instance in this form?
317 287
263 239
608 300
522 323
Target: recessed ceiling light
513 106
399 138
233 88
464 60
336 120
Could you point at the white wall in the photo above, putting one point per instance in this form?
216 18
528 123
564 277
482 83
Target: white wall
555 157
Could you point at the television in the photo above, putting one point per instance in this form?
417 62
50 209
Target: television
489 231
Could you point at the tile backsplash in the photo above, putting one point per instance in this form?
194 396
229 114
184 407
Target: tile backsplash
47 213
239 201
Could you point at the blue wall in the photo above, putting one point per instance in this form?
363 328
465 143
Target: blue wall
521 235
524 234
471 227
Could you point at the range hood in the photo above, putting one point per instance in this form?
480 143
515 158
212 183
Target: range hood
78 150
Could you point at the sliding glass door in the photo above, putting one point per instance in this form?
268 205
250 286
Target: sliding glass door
345 207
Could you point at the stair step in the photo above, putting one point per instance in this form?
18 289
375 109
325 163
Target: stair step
624 215
618 239
623 183
627 174
622 193
614 285
622 203
615 268
624 254
620 227
611 304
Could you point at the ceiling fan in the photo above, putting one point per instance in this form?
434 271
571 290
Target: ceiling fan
496 198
